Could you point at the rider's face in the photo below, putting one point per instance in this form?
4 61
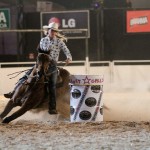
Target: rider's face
52 33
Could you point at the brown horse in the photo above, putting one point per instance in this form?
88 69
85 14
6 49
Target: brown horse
32 94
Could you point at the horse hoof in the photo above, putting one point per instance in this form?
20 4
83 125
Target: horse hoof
6 120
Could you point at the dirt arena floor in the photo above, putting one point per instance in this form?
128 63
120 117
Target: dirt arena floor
44 132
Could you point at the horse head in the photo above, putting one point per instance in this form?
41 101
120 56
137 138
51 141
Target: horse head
43 62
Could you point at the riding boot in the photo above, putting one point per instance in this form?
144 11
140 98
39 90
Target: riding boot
52 101
21 80
10 94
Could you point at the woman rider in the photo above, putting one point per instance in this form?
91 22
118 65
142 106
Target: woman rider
51 44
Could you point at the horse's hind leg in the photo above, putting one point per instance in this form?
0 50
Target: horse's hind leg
10 105
17 114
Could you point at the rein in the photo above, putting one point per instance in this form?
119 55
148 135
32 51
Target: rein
48 74
19 72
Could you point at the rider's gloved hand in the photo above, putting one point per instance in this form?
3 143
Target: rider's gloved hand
67 61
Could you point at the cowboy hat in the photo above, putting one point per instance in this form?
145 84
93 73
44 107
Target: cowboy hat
53 26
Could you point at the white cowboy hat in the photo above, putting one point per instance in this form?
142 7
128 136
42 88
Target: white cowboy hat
53 26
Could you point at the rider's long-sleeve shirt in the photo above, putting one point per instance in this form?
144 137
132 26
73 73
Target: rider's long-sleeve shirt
54 45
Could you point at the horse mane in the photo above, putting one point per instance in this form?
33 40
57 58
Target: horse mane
43 57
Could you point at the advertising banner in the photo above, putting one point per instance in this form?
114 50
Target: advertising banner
137 21
4 18
75 24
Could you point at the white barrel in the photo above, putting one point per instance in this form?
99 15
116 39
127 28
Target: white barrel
86 98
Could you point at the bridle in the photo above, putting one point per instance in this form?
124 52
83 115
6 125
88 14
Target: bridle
46 74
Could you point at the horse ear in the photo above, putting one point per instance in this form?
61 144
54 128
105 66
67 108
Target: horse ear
38 47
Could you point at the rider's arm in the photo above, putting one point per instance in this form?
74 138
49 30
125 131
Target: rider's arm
62 46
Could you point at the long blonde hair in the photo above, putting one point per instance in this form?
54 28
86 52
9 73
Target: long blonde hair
61 36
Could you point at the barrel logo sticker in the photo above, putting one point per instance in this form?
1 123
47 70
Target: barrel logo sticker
95 88
72 110
76 93
101 110
85 115
90 102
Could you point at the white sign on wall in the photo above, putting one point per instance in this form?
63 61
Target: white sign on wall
4 18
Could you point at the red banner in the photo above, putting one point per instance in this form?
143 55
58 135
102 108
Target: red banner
138 21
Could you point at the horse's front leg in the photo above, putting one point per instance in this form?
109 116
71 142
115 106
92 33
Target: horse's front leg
19 93
10 105
24 108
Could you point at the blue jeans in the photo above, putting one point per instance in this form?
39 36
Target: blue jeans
52 86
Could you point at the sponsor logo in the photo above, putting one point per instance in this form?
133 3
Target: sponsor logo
70 23
90 102
54 19
3 21
101 110
72 110
87 80
76 93
95 88
85 115
139 21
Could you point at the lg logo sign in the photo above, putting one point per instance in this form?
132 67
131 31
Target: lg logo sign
70 23
74 24
66 23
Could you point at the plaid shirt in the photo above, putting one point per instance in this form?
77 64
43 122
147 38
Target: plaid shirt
54 45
